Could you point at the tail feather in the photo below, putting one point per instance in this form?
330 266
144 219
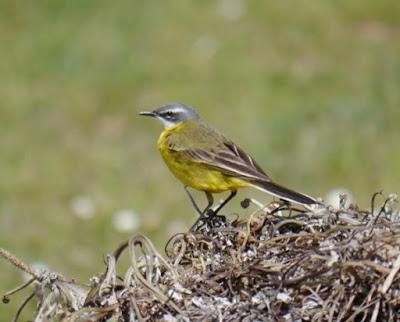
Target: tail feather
283 193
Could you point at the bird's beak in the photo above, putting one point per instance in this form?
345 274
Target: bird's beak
148 114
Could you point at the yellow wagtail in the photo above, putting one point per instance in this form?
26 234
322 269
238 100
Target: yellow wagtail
204 159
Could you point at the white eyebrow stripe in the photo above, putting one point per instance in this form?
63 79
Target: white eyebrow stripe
174 110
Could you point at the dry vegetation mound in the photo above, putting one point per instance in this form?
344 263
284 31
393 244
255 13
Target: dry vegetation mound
281 264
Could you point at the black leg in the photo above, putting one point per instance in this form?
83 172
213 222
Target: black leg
192 200
203 214
210 200
222 205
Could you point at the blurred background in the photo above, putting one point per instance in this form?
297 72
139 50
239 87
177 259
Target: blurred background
310 89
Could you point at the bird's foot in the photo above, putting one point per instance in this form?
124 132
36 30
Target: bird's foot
210 213
210 219
213 219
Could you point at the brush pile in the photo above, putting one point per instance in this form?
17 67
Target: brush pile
280 264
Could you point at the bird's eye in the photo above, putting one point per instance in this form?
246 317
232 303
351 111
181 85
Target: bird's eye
168 114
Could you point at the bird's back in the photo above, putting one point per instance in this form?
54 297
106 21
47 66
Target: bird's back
194 134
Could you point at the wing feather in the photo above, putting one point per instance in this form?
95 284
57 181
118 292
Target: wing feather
230 160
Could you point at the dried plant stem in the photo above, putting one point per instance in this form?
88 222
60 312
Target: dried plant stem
19 263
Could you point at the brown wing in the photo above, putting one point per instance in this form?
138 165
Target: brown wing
230 160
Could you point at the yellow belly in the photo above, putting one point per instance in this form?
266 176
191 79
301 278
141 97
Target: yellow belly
195 174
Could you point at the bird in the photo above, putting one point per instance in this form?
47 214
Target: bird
202 158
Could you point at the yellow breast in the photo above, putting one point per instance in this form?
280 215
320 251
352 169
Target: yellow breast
193 173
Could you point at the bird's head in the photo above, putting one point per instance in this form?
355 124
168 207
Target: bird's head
172 114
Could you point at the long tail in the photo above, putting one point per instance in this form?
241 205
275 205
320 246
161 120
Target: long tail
283 193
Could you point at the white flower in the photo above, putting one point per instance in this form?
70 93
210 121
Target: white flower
126 220
83 207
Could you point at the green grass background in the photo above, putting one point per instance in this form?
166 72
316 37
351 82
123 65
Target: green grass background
310 88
